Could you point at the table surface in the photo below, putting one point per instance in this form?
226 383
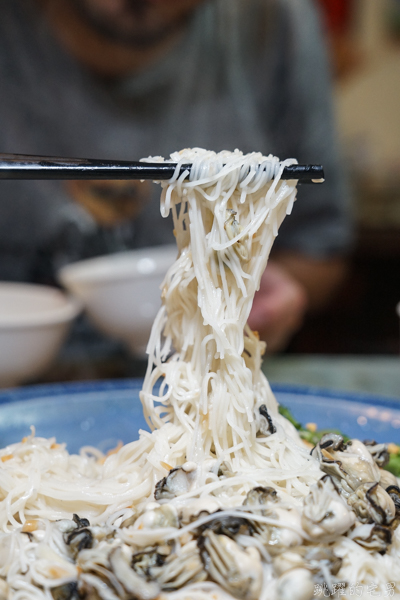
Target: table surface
370 374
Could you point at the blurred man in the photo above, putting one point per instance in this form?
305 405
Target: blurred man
125 79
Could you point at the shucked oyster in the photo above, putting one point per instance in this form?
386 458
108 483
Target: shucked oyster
196 508
177 482
179 568
235 570
333 442
145 560
68 591
372 503
373 537
159 516
325 514
260 496
387 479
350 464
274 537
320 561
265 424
227 525
138 587
379 452
297 584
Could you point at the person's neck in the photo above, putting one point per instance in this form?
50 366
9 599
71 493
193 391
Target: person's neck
104 57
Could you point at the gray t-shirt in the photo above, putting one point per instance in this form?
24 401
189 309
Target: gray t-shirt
247 74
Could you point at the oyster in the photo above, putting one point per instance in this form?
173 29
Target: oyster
394 493
333 441
80 523
387 479
349 464
308 557
96 573
279 537
179 568
68 591
68 525
143 561
229 526
318 560
297 584
4 590
159 516
93 586
120 562
259 496
325 514
321 558
77 534
79 539
50 565
264 421
290 559
373 537
196 508
237 571
177 482
274 537
372 503
225 470
379 452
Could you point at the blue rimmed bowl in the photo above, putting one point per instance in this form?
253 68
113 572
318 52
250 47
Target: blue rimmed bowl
105 412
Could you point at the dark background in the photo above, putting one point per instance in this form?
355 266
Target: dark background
364 37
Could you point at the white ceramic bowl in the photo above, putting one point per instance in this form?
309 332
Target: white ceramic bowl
34 320
121 292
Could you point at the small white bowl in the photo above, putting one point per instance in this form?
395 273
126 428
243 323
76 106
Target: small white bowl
34 320
121 292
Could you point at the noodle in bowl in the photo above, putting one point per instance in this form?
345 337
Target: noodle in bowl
222 499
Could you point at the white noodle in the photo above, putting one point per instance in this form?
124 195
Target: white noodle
201 395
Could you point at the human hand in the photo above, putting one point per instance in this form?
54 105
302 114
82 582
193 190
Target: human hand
279 307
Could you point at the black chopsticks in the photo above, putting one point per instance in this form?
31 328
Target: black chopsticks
21 166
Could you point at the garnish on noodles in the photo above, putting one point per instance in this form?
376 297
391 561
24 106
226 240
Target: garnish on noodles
222 499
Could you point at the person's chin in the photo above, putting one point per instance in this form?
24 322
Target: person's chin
140 31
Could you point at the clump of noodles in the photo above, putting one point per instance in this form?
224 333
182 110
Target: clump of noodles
226 217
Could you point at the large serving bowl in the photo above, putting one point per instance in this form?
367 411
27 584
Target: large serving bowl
34 321
121 292
103 413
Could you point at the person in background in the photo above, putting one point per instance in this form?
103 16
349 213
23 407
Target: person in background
124 79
